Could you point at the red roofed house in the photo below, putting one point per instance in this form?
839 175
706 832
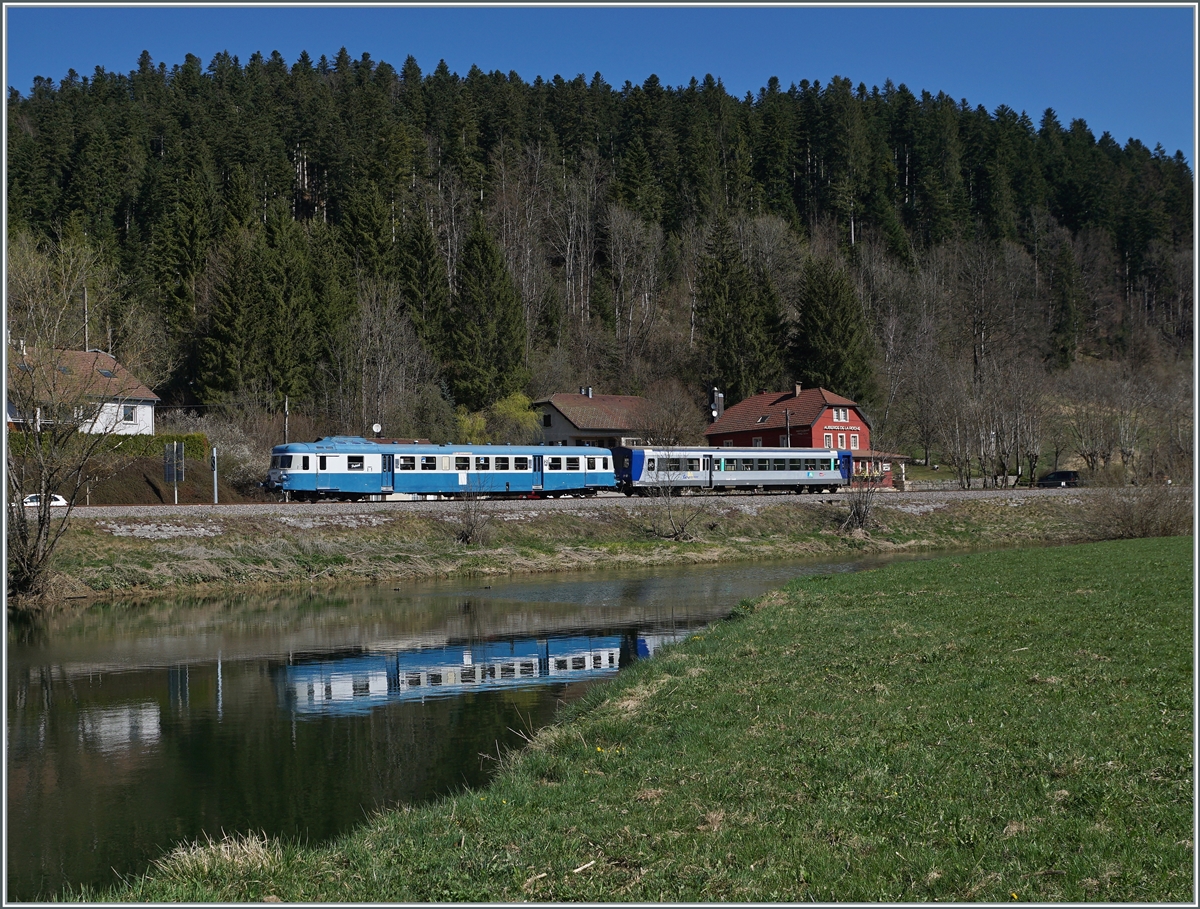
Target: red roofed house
605 421
803 418
89 389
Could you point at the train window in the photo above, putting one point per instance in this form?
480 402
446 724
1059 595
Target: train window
354 462
445 462
624 462
304 465
435 678
554 463
572 463
482 463
693 463
605 460
520 463
406 462
779 464
461 463
501 463
428 462
763 464
672 463
747 463
285 461
591 463
560 663
650 464
320 462
794 464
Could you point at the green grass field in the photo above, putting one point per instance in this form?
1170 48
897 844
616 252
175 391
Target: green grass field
991 726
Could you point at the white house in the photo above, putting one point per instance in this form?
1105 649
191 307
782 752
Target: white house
86 387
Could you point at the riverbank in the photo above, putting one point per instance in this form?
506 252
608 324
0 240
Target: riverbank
984 726
209 550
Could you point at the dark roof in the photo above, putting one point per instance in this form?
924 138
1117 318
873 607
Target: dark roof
599 412
76 374
804 410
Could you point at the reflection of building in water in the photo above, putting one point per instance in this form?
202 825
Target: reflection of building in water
120 728
361 681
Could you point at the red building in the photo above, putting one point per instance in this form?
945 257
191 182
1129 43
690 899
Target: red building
802 418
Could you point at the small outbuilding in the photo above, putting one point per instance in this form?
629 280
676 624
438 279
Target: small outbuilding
603 421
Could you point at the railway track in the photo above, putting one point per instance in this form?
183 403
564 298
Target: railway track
603 500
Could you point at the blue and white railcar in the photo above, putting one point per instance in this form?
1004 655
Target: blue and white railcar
655 471
353 468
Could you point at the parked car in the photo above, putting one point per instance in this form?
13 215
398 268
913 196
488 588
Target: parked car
1059 478
34 499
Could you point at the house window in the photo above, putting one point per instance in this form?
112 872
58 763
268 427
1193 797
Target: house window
107 373
841 440
545 419
757 442
728 443
762 419
783 442
829 440
129 413
854 441
841 414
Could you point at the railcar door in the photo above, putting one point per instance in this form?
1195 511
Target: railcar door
538 475
386 473
707 466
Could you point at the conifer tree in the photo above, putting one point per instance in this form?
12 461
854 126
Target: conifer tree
831 342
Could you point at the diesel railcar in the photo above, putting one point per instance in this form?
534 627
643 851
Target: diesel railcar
351 468
655 471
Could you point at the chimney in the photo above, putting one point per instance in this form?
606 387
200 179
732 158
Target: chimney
797 390
589 391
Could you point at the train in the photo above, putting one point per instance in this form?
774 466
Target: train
655 471
352 468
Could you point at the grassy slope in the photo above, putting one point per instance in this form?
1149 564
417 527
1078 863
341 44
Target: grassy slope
1013 725
186 551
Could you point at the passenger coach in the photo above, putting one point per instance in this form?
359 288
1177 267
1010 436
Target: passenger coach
353 468
650 471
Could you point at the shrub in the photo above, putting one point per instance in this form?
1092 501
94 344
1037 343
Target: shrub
1133 512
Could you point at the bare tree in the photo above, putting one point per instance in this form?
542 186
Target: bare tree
68 401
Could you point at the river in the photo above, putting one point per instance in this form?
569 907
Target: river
136 726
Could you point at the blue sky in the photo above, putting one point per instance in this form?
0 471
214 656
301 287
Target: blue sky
1128 70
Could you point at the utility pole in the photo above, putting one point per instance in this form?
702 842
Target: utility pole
285 419
787 421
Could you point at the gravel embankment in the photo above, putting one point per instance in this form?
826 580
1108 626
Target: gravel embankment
913 502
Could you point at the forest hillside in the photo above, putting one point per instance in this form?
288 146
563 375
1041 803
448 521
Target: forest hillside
374 244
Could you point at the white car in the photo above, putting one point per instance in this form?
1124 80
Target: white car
32 501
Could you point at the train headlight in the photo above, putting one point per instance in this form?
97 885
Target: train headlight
283 477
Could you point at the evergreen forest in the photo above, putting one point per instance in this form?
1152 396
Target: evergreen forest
395 246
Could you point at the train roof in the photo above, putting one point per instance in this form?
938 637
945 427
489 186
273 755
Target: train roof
356 444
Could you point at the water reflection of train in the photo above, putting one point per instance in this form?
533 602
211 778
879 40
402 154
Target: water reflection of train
359 681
